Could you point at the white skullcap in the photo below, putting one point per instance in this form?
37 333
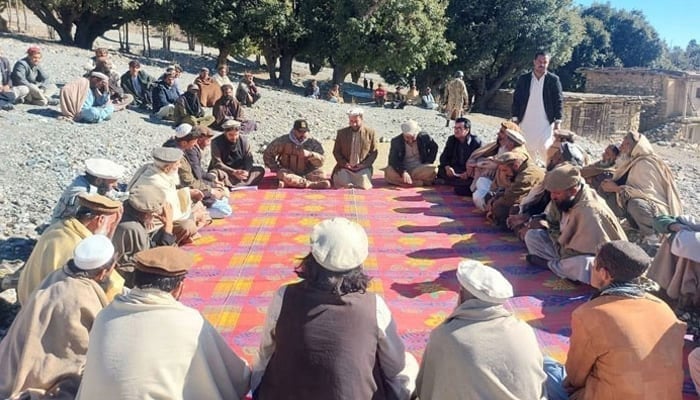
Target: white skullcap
93 252
339 244
355 112
410 127
484 282
183 130
99 75
103 168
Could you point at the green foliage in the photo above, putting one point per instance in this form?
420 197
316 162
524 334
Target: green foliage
217 23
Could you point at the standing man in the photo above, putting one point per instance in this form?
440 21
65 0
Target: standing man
148 345
355 151
29 74
453 160
411 157
232 159
456 97
297 159
538 103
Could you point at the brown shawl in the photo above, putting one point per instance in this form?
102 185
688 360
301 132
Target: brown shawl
209 91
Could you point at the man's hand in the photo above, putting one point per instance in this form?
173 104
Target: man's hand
470 171
196 195
166 217
677 227
306 153
354 167
407 178
450 171
241 174
609 186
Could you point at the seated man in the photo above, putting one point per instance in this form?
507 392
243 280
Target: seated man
28 77
355 151
625 343
562 136
145 205
334 95
148 345
603 169
188 109
162 174
101 176
411 157
49 337
297 159
398 99
164 96
343 337
676 266
642 187
232 159
120 100
227 107
176 72
380 95
96 215
499 351
413 96
481 165
9 94
312 90
87 99
516 176
576 223
138 84
221 76
247 93
429 100
209 89
453 160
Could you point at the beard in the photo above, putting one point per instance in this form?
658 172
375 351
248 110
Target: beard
172 177
622 159
607 163
566 205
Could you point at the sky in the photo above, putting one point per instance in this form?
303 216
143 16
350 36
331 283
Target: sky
676 21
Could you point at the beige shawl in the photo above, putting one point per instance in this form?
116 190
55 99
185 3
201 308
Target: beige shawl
73 95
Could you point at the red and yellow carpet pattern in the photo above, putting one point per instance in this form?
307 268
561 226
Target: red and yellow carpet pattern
417 238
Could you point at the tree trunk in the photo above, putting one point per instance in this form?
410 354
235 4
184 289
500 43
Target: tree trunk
143 38
315 68
482 103
86 33
355 76
191 42
127 48
271 61
148 39
339 74
285 78
224 51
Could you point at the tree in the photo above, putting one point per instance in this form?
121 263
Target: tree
91 18
497 39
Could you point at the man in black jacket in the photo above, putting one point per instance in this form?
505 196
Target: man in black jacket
453 160
411 157
538 116
138 84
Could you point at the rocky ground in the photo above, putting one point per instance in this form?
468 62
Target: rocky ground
41 154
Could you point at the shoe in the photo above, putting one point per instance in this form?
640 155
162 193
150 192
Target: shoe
7 107
536 260
319 185
52 102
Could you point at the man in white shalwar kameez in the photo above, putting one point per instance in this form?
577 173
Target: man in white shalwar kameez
481 351
47 342
148 345
537 106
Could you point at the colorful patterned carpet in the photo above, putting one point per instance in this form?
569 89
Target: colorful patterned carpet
417 238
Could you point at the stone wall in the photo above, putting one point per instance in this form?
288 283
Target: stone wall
625 82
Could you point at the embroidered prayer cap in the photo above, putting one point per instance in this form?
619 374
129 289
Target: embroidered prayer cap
301 125
192 86
93 252
103 168
509 157
339 244
564 176
354 112
230 124
182 130
99 204
410 127
99 75
167 154
515 136
164 261
510 125
484 282
146 198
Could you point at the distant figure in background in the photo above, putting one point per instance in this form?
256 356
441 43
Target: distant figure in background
411 157
28 73
398 99
413 96
87 99
355 152
538 104
8 93
371 84
429 100
334 95
188 109
221 76
380 95
456 98
138 84
164 95
247 93
209 89
312 90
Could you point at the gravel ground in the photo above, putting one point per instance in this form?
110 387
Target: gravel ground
42 154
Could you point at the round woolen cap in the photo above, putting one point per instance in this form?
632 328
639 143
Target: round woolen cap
167 154
563 177
164 260
93 252
103 168
484 282
146 198
339 244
